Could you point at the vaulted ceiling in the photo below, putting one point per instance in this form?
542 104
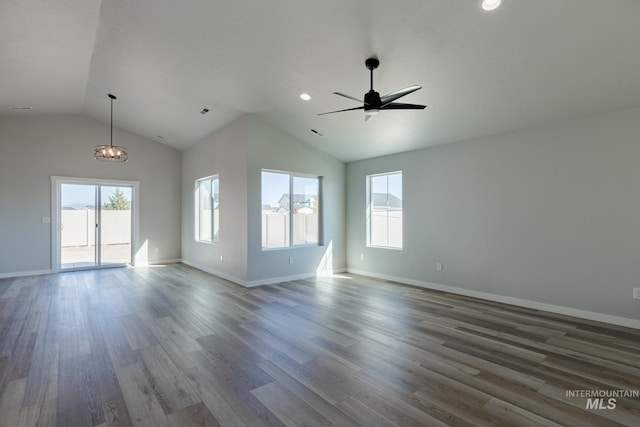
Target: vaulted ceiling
482 73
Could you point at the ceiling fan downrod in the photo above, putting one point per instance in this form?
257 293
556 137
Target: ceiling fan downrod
371 64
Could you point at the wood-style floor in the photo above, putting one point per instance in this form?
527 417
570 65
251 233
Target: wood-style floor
172 346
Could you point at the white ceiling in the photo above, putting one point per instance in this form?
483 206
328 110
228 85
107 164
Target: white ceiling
528 63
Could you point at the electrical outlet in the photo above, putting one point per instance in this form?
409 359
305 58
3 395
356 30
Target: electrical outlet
156 250
439 266
361 257
46 220
290 260
221 258
636 293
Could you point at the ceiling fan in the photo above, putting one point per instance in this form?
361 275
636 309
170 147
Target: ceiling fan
373 102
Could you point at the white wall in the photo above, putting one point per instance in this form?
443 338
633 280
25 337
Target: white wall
223 153
549 215
35 148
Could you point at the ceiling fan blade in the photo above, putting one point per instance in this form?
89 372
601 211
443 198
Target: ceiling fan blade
349 96
339 111
401 106
386 99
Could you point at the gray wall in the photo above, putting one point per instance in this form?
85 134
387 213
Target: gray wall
550 215
223 153
270 148
238 153
35 148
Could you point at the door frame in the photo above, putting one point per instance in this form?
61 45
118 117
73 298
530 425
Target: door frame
56 184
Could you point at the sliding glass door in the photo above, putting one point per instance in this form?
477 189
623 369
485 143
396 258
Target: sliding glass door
78 219
94 223
115 225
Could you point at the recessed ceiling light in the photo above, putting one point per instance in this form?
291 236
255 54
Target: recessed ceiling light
204 111
490 5
305 96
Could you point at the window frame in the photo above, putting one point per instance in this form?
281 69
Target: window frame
369 210
215 239
292 176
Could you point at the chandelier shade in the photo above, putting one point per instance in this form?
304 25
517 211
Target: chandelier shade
111 153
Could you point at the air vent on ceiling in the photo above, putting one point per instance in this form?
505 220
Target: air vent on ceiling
20 108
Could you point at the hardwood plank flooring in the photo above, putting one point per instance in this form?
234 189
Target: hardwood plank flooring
173 346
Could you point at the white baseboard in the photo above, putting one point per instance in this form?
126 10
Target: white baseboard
217 273
582 314
24 273
255 283
42 272
275 280
158 262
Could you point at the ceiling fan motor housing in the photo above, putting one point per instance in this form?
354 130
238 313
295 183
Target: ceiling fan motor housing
372 100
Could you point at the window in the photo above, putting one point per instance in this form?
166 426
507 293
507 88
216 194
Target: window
384 213
207 200
290 210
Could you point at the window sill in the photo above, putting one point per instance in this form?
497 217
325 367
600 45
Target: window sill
208 242
385 247
291 247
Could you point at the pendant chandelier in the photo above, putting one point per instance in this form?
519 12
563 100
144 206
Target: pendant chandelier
111 153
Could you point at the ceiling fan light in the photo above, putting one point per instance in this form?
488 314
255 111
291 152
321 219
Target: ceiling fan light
371 112
490 5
